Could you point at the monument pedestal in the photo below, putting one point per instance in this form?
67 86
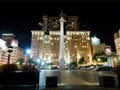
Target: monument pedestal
62 65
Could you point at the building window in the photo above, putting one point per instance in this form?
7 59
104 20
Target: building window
35 51
75 46
118 43
118 49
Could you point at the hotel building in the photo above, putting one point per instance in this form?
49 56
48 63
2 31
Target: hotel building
45 43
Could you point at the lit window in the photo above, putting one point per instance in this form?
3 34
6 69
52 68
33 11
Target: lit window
51 43
118 44
75 46
118 49
82 46
88 38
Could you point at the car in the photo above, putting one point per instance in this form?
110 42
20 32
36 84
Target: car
54 67
105 68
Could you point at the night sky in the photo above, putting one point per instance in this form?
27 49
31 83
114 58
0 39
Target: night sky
101 18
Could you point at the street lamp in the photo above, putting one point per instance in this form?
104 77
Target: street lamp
38 62
98 59
10 49
28 51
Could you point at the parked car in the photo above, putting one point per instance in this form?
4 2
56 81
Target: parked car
105 68
54 67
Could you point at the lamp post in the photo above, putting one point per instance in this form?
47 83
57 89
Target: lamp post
10 49
28 51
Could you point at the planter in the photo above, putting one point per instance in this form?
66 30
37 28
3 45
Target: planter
51 81
118 77
106 81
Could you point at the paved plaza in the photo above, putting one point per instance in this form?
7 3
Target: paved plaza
73 77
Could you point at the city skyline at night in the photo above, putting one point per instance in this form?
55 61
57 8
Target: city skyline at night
20 18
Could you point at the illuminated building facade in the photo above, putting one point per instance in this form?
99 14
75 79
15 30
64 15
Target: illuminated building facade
8 40
16 54
3 52
45 43
117 41
99 48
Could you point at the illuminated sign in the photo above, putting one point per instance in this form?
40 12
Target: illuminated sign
8 34
14 43
108 50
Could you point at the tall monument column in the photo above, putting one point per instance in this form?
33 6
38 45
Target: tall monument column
62 62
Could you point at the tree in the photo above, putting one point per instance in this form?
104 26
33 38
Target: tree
21 61
31 61
101 56
81 61
73 64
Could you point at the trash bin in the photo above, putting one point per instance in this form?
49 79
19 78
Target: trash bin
106 81
51 81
